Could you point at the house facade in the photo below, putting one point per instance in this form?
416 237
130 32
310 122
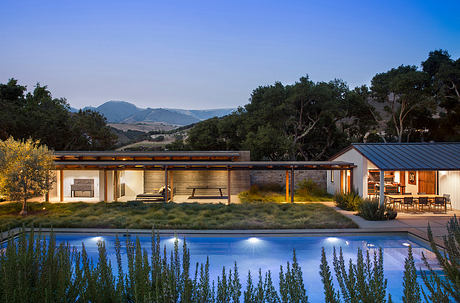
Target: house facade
431 168
125 176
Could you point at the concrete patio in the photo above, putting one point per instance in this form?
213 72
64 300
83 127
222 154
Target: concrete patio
410 222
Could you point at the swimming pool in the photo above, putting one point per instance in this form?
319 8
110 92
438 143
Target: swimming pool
269 252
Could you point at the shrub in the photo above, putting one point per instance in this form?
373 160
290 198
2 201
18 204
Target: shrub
442 288
308 188
348 201
361 282
33 270
370 210
411 292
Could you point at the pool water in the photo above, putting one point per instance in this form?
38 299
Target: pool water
269 252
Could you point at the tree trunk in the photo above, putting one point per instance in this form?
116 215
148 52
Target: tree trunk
24 208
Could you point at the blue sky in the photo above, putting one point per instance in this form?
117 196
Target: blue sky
212 54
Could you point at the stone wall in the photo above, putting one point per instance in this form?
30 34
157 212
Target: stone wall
260 177
183 180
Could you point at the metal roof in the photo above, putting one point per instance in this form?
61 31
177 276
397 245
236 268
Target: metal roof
411 156
208 165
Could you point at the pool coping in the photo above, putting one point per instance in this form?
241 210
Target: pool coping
419 237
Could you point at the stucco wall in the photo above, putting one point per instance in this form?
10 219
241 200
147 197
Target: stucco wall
449 183
411 188
359 173
134 184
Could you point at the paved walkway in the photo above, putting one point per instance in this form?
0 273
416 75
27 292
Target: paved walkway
414 223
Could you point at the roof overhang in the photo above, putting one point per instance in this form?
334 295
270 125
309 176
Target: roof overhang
206 165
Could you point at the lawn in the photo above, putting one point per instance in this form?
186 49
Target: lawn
255 215
306 191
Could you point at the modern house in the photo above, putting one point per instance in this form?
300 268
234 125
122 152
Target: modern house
125 176
430 168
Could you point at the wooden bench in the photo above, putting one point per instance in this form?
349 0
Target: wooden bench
82 185
194 188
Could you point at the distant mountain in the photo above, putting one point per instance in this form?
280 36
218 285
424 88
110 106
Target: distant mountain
205 113
125 112
161 115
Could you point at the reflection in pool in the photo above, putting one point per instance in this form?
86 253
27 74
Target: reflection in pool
269 252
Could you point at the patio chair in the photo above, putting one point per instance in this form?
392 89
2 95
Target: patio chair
423 202
440 202
448 201
408 201
391 202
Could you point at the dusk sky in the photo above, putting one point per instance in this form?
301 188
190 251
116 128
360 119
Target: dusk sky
212 54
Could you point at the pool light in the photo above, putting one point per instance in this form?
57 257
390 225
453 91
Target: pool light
253 240
406 244
174 239
97 239
332 239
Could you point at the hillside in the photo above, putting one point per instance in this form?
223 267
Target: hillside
125 112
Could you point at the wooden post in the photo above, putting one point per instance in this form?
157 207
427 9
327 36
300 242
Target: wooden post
166 184
287 186
115 185
61 185
229 188
172 185
382 188
342 189
437 182
292 184
350 186
105 185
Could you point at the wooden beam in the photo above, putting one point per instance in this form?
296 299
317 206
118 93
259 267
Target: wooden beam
292 184
229 189
61 185
105 185
287 186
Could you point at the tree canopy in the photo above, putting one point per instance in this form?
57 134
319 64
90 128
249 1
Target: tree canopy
39 116
25 170
313 120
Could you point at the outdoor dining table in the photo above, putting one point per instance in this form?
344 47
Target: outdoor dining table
393 198
397 196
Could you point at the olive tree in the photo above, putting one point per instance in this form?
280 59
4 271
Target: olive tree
25 170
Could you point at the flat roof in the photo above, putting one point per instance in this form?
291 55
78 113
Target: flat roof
410 156
146 156
145 153
206 165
